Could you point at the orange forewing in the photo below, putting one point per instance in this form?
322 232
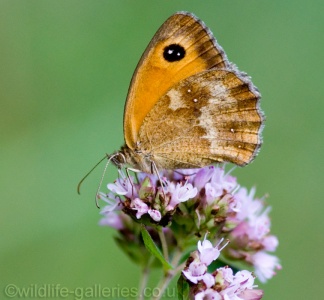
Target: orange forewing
154 76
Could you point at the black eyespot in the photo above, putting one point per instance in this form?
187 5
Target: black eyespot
174 52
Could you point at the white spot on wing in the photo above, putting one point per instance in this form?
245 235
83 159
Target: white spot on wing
206 122
176 100
219 93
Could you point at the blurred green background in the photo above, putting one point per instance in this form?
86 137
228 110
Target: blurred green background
65 67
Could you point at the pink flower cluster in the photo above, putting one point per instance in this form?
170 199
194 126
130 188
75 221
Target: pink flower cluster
222 284
251 238
191 202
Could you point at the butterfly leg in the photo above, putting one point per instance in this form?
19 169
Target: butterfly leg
155 170
129 178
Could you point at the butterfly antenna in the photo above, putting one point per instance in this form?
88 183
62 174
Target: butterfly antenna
79 185
101 180
230 170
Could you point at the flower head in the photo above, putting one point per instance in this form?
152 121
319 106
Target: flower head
222 283
265 265
122 186
188 203
179 193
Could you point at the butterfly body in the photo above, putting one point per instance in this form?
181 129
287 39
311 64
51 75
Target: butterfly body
187 105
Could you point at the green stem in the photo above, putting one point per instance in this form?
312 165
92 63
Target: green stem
163 243
164 284
176 257
144 278
165 281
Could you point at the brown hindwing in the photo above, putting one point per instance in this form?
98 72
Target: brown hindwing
213 116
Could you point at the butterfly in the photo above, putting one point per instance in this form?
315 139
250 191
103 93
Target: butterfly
187 105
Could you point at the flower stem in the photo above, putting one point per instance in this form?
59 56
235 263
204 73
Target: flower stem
163 284
163 243
144 278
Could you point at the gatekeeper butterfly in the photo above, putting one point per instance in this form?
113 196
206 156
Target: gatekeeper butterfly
187 105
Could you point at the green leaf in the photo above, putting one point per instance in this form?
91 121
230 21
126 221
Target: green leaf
183 288
153 249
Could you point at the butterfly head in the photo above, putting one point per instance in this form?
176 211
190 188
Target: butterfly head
137 159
